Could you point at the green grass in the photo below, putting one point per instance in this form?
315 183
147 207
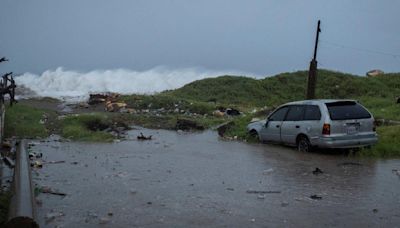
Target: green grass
388 144
24 121
84 127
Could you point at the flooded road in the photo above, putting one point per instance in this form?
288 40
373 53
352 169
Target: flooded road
197 180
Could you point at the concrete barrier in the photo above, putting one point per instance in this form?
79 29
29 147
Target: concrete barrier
22 207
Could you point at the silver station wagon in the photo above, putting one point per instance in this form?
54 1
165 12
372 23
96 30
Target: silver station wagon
318 123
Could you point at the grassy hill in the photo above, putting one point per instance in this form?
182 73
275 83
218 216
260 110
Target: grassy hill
378 93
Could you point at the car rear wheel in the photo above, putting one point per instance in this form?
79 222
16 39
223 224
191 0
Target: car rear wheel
303 145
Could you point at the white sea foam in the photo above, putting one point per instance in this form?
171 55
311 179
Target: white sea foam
73 85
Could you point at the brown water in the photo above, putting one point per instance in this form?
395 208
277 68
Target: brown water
197 180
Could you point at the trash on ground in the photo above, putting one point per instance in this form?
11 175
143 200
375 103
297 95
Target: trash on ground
8 162
54 162
349 164
316 197
48 190
396 171
142 137
33 155
261 192
261 196
53 215
185 124
317 171
268 171
224 127
104 220
37 164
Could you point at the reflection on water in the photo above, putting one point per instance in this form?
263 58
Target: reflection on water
183 180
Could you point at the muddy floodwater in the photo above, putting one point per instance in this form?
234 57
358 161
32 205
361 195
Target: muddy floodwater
198 180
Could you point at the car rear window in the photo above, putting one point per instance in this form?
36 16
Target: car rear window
345 110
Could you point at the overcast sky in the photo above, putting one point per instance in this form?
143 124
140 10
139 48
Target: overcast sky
262 37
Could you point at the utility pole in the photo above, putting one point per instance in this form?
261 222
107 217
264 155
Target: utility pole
312 73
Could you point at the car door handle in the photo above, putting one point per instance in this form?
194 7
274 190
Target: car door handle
297 126
277 126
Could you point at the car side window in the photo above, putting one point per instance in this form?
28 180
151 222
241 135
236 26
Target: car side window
279 115
295 113
312 112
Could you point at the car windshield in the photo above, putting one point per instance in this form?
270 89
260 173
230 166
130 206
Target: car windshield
345 110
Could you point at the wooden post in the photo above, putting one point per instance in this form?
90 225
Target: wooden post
312 72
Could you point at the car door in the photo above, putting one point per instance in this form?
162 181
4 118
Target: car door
292 124
271 131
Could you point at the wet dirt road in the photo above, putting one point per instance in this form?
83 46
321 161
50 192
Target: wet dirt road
196 180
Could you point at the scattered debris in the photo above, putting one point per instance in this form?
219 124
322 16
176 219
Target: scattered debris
37 164
268 171
232 112
316 197
185 124
104 220
224 127
375 210
142 137
350 163
261 192
8 162
396 171
54 162
317 171
284 204
33 155
261 196
230 189
48 190
53 215
115 106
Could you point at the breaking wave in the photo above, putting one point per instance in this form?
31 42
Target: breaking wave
68 84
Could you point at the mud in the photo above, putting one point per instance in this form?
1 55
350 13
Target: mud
196 180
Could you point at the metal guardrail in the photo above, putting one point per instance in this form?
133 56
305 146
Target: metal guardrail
22 207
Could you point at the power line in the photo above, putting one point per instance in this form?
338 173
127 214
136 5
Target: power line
360 49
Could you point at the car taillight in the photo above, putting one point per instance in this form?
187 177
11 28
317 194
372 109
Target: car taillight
374 127
326 129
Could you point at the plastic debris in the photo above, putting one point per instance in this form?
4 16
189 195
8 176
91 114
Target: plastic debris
142 137
316 197
261 192
317 171
37 164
